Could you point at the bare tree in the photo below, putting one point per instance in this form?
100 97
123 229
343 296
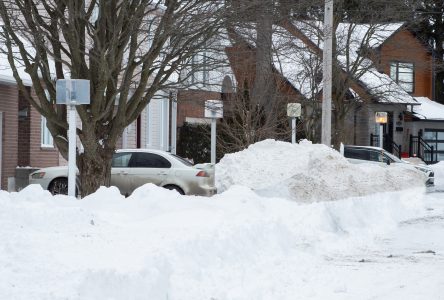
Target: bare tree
129 50
245 122
359 28
429 24
258 110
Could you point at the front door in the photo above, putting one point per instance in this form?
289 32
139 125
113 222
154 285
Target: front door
388 133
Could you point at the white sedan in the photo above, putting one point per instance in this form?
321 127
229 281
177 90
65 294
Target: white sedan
132 168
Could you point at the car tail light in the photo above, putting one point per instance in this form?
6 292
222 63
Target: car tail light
202 174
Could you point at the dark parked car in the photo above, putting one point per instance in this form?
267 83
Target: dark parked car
360 154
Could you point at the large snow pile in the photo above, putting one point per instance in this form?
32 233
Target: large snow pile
309 172
160 245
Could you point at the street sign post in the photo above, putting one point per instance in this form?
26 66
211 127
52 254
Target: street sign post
293 111
213 110
72 92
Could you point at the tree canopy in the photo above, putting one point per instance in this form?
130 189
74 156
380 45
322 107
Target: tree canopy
129 50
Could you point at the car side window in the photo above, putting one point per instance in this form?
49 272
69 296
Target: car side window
351 153
356 153
375 156
148 160
121 160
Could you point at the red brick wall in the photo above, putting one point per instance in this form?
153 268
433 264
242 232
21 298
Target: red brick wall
24 123
9 107
40 157
30 151
191 103
242 61
405 47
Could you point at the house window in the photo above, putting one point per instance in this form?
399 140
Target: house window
403 74
435 138
46 137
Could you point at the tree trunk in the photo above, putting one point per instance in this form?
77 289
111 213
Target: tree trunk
339 132
264 82
95 170
263 94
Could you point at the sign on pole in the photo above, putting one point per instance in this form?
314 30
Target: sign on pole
72 92
214 109
294 111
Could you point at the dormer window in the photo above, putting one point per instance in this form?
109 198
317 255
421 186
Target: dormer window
403 73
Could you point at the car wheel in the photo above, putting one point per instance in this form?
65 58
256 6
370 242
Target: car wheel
59 186
174 188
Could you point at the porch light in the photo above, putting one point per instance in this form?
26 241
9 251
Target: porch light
381 117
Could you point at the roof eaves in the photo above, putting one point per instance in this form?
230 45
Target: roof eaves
405 26
8 80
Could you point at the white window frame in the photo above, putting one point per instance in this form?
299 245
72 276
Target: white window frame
395 66
46 139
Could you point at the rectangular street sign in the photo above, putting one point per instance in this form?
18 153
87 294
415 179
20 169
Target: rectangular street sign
72 91
294 110
214 109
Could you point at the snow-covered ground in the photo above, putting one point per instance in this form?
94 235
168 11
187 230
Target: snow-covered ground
240 244
439 174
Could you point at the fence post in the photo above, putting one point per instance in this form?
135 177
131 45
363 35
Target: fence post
371 139
399 152
411 146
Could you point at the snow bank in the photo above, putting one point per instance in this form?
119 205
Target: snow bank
158 244
308 172
239 244
438 169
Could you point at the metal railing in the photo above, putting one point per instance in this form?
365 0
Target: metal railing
420 148
388 144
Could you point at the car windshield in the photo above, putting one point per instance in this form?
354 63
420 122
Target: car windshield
182 160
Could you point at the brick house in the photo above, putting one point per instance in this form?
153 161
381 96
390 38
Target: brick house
25 140
27 144
398 79
413 128
401 61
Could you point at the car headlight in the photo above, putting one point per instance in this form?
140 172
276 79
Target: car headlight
425 170
38 175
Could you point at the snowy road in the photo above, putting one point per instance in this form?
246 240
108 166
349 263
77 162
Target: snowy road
406 264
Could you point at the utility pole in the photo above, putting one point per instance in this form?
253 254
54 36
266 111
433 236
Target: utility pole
327 73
